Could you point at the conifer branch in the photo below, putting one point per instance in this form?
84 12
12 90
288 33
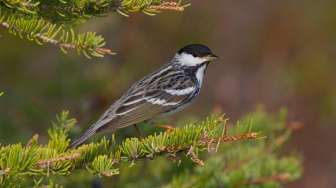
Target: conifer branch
41 31
169 5
25 6
253 161
35 160
52 21
65 11
248 164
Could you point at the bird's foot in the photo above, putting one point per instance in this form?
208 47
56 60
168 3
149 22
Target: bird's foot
138 131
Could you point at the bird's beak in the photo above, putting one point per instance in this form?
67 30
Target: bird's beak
212 57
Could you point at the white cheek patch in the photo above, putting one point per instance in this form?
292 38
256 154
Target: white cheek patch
188 59
180 92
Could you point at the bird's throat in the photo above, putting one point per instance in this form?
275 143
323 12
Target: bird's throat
200 73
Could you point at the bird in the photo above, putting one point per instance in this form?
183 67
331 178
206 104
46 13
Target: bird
165 91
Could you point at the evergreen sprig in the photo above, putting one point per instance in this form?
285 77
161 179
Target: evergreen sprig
249 164
18 162
25 6
41 31
52 22
65 11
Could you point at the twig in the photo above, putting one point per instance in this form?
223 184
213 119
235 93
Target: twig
50 162
169 5
224 133
194 157
246 136
4 172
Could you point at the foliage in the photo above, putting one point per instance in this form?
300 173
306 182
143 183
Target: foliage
246 162
53 21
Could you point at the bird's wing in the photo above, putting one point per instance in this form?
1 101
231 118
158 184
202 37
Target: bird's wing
152 99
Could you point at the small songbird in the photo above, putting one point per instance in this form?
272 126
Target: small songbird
165 91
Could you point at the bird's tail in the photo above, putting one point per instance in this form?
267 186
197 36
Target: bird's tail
86 135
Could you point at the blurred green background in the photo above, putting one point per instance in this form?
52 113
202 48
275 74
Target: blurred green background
275 53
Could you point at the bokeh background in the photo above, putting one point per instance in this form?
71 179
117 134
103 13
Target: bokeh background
274 53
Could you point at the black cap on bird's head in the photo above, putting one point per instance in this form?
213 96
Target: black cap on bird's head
195 54
197 50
